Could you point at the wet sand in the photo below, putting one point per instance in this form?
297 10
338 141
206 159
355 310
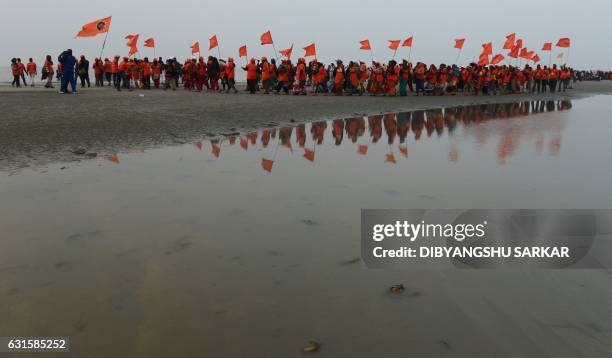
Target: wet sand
38 126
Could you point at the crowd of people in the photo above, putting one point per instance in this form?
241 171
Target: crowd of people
300 78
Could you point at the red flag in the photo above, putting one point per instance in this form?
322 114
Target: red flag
547 46
564 42
132 42
519 43
509 44
487 49
213 42
390 158
407 42
526 54
497 59
287 52
150 42
309 154
535 58
216 150
95 27
195 48
244 144
311 50
242 51
394 44
459 43
362 149
266 164
266 38
514 53
365 45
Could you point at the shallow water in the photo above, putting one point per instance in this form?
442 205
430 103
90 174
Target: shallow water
207 250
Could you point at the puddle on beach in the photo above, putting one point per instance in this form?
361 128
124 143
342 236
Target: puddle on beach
249 246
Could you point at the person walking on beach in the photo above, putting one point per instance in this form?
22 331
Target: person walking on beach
251 69
170 73
68 62
31 68
15 72
83 70
98 68
231 75
107 66
47 72
22 71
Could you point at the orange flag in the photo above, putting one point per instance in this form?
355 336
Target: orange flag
287 52
195 48
150 42
266 164
497 59
394 44
459 43
547 46
311 50
266 38
564 42
487 49
95 27
390 158
526 54
535 58
514 53
407 42
132 42
113 158
362 149
509 44
309 154
213 42
216 150
365 45
242 51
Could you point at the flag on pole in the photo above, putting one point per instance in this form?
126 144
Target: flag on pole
95 27
497 59
547 46
242 51
514 53
365 45
459 43
311 50
526 54
287 52
487 48
394 44
150 42
407 42
509 44
131 43
266 38
213 42
195 48
535 58
519 43
564 42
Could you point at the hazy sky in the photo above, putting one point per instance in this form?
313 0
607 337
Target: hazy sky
34 28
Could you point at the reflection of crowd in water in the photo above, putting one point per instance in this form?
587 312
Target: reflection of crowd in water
365 131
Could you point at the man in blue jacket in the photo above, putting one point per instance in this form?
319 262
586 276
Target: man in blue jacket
68 62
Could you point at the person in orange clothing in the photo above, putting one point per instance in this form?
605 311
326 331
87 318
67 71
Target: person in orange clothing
265 75
300 77
115 70
223 75
338 78
98 68
15 72
230 72
200 74
147 70
353 74
22 70
156 72
31 69
553 76
363 77
122 74
47 72
251 69
189 72
107 67
283 77
564 78
391 78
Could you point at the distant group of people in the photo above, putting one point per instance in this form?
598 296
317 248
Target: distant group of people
301 78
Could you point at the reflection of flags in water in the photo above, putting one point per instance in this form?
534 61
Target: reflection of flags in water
113 158
309 154
404 150
362 149
390 158
266 164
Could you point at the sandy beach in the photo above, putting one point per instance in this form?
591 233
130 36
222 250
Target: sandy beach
39 126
